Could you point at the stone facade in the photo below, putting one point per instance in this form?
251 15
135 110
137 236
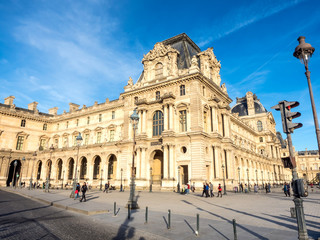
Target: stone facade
308 165
187 131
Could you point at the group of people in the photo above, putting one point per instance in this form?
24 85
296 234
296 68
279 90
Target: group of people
208 190
286 189
83 189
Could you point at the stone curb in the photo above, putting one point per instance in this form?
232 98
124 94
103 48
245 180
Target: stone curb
89 213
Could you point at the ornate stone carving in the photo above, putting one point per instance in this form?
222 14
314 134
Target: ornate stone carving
224 88
159 50
130 81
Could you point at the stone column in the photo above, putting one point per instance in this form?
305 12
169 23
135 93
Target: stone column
165 162
171 117
130 131
138 164
145 121
165 117
171 161
143 163
140 122
217 157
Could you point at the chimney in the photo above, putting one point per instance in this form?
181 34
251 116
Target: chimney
53 111
9 100
73 107
33 106
250 103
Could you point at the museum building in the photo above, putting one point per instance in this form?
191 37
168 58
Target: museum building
187 131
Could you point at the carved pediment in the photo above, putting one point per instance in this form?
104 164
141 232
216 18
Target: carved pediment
56 136
112 126
97 129
159 50
22 133
75 133
44 137
86 130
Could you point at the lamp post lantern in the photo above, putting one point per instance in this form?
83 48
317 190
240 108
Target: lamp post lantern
101 179
49 169
150 180
15 163
304 52
224 181
34 155
121 186
78 140
248 180
239 178
132 202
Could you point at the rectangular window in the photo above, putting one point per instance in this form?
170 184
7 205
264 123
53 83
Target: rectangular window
74 140
86 139
222 122
100 117
42 144
111 135
58 126
65 142
77 122
183 120
205 121
67 125
113 114
98 137
20 143
56 142
88 120
182 90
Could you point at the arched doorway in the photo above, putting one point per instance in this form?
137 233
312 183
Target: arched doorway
70 168
14 173
112 167
96 167
157 167
59 169
83 168
39 170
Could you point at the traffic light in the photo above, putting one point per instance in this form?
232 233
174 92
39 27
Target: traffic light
285 108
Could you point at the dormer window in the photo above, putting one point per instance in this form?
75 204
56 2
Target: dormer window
88 120
23 123
182 90
157 95
45 126
259 125
159 70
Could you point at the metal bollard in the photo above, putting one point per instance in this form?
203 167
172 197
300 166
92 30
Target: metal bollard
129 206
234 229
169 219
198 224
114 209
146 215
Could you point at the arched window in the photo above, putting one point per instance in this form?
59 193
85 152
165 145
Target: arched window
23 123
157 95
259 124
45 126
182 90
157 123
159 70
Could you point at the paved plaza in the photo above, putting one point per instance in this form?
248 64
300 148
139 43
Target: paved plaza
258 216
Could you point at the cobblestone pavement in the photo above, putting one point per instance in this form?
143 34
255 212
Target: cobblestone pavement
258 216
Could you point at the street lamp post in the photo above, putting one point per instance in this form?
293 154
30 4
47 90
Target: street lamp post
20 177
178 186
132 202
304 52
15 163
121 186
49 169
248 180
101 180
307 174
239 178
150 180
62 179
78 140
257 176
35 155
224 181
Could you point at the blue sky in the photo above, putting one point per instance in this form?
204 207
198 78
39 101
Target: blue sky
56 52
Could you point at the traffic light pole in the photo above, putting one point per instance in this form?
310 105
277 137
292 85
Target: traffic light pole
298 202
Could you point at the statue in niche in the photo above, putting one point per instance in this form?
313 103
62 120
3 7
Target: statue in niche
130 81
194 61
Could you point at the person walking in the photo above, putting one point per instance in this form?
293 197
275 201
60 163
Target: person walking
285 190
266 188
241 186
204 189
269 187
288 189
106 187
207 190
84 188
211 190
77 191
255 188
219 190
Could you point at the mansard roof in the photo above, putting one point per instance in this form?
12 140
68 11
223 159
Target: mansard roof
186 47
241 106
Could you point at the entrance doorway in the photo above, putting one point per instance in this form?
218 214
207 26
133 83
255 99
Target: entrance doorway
14 173
184 174
157 167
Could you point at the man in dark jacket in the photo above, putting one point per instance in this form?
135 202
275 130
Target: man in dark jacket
84 188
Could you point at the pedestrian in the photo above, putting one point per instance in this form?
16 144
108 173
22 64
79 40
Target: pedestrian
288 189
241 185
211 190
255 188
106 187
219 190
193 187
269 187
77 191
207 190
246 188
204 189
84 188
285 189
188 187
